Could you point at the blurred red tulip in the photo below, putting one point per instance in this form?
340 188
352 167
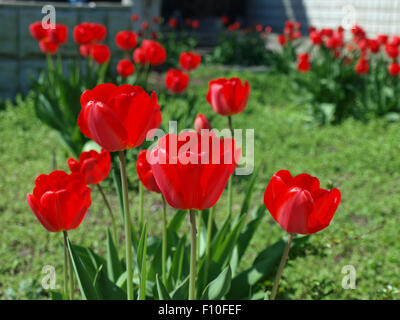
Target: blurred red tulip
156 20
37 31
326 32
48 47
228 96
92 165
225 19
189 60
59 201
303 62
144 25
362 66
100 52
374 46
282 39
154 52
172 23
126 40
59 35
394 69
176 81
145 172
118 118
99 31
382 38
316 37
259 27
193 178
88 32
268 29
125 68
154 35
201 123
188 22
135 17
392 50
139 56
298 203
85 49
195 24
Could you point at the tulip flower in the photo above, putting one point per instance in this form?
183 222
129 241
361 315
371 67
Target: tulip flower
139 56
145 173
101 53
201 123
382 38
48 47
118 118
154 52
176 81
125 68
282 39
191 185
88 32
316 37
99 32
362 66
37 31
172 23
85 49
225 20
189 60
228 96
392 50
126 40
303 63
191 174
195 24
135 17
60 202
394 69
299 205
59 34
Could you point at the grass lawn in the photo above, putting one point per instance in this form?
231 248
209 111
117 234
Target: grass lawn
361 159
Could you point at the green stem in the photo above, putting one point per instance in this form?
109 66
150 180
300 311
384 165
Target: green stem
140 205
208 247
164 242
192 283
69 263
230 194
281 266
66 293
114 225
128 236
199 234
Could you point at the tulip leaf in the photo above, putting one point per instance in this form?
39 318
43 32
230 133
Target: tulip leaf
84 280
175 273
114 267
161 290
181 291
176 221
249 191
219 286
141 260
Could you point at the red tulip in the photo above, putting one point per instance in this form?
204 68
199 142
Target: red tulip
93 166
118 118
374 46
392 50
268 29
154 35
99 32
394 69
225 19
395 41
176 81
125 68
362 66
135 17
188 22
259 27
172 23
154 52
59 201
303 62
145 172
156 20
228 96
59 35
85 49
201 123
101 53
298 203
48 47
382 38
144 25
139 56
192 170
195 24
282 39
326 32
37 31
189 60
83 33
316 37
126 40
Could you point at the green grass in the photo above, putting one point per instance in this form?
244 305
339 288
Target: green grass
361 159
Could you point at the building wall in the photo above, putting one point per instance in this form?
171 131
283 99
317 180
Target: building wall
376 16
20 57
